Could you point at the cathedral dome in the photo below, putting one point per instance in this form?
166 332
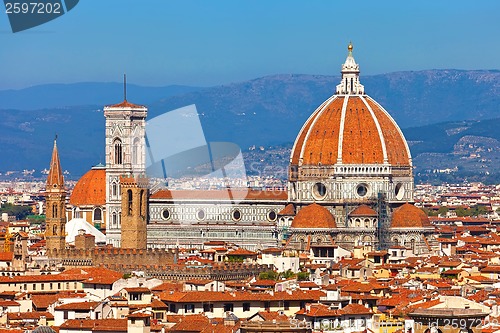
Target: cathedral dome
409 216
363 211
90 190
350 128
314 216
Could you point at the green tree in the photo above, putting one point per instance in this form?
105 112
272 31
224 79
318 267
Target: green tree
269 275
478 210
287 274
461 212
303 276
429 212
443 210
20 212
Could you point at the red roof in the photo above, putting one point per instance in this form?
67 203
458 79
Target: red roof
6 256
78 306
126 104
213 296
409 216
90 189
314 216
362 141
29 315
241 252
42 301
289 210
116 325
363 211
222 195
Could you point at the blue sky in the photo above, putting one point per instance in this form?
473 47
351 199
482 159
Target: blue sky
202 43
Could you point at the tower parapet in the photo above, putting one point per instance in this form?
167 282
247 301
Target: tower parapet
134 211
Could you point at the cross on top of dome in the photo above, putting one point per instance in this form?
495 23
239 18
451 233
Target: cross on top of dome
349 84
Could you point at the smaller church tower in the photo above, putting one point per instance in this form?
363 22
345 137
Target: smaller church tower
55 200
134 194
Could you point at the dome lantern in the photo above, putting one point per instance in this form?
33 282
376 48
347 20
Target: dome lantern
349 84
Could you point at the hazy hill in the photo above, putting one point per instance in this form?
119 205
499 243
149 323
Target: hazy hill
85 93
265 111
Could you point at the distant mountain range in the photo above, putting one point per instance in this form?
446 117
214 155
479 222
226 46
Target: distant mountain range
263 112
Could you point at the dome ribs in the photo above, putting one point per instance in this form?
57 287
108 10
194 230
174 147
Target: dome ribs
394 141
321 142
299 142
359 132
360 145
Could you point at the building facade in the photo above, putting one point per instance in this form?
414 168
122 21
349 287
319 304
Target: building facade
350 171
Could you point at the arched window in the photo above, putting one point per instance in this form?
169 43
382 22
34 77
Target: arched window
129 202
141 201
136 151
97 214
114 219
54 230
114 189
54 210
117 144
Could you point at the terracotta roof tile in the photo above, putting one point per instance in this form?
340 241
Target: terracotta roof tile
363 210
126 104
409 216
289 210
90 189
42 301
241 252
223 195
318 140
6 256
318 310
29 315
117 325
355 309
314 216
213 296
78 306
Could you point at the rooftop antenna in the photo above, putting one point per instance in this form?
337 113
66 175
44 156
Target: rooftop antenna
124 87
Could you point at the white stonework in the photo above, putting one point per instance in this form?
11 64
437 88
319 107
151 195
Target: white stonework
125 155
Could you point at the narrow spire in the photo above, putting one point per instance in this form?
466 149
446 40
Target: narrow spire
124 86
55 178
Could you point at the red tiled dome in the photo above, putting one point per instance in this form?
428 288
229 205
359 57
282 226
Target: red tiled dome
363 210
409 216
352 129
314 216
90 190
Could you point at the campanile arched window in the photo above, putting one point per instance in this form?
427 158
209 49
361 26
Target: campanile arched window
136 151
117 146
